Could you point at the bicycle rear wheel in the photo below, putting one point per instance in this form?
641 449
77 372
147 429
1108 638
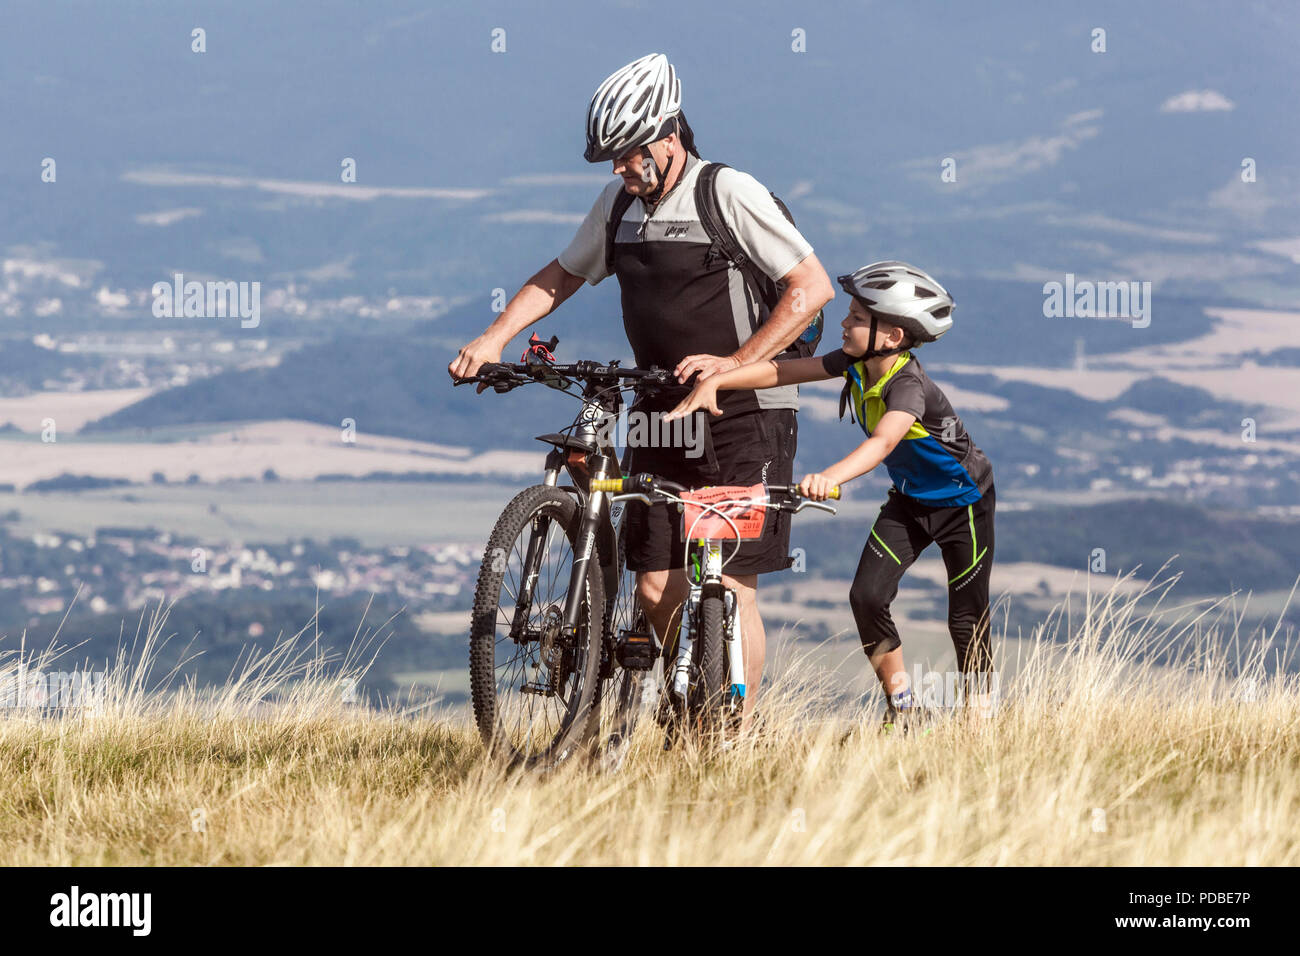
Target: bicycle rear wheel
532 684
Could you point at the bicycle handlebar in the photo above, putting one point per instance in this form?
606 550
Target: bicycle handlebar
504 376
647 488
794 492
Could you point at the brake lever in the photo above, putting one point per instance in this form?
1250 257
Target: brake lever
819 505
497 383
475 379
632 496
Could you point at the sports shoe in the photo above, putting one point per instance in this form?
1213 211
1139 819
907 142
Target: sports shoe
911 720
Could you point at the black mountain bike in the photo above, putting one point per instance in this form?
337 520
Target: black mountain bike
559 646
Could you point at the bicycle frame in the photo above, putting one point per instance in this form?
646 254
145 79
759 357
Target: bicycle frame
570 453
584 454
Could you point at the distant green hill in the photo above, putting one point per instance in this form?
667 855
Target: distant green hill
1217 551
388 385
396 384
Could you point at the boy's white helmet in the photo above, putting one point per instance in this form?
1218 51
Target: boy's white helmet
635 105
903 295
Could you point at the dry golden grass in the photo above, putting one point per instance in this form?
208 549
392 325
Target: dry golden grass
1096 756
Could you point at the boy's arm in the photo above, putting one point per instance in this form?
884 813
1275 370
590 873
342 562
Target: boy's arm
887 434
766 374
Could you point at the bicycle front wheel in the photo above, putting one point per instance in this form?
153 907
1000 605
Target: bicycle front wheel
532 682
710 691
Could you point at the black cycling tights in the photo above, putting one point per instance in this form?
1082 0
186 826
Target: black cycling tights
904 528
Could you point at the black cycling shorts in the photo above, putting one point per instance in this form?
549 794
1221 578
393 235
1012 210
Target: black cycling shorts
904 528
743 449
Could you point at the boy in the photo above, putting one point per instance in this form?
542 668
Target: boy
943 484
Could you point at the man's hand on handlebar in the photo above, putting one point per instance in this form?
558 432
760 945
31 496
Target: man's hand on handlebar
481 351
707 365
816 487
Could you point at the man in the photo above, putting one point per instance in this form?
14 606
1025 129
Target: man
689 309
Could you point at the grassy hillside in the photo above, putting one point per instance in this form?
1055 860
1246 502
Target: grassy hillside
1090 758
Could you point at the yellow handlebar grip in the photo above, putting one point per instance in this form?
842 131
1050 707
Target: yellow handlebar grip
835 493
607 484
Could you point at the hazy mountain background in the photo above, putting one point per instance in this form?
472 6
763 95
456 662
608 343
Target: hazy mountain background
1117 165
1066 160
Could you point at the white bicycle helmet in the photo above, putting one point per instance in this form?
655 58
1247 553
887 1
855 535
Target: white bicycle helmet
634 106
903 295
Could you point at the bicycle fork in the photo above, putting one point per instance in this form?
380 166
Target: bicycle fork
735 653
562 630
711 578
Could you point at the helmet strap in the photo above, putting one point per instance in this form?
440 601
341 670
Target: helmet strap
873 353
846 394
661 174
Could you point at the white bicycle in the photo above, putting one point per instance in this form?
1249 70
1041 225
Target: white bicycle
705 685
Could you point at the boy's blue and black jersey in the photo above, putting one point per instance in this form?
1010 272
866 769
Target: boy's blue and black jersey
936 462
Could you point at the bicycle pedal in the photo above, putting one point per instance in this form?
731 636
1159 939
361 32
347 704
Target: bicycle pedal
636 650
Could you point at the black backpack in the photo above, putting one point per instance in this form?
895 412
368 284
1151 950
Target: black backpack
725 245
